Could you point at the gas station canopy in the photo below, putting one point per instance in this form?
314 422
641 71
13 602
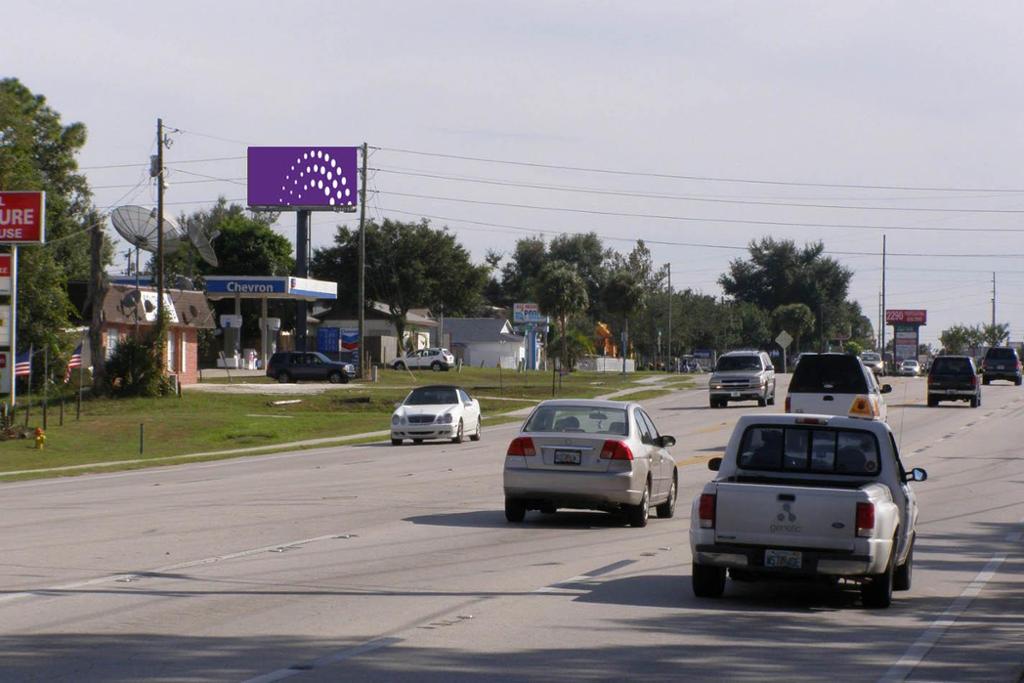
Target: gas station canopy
285 287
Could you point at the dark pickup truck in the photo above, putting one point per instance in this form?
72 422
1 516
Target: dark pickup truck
953 378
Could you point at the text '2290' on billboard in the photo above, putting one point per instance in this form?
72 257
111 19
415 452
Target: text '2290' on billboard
324 178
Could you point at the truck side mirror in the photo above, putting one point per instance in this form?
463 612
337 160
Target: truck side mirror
917 474
714 464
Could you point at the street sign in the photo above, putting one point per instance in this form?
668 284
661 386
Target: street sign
22 217
915 316
784 340
5 274
527 313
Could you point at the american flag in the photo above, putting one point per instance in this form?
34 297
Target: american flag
23 364
75 362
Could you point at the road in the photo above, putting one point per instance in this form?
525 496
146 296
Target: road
386 563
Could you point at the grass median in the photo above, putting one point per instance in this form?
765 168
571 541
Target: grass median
118 430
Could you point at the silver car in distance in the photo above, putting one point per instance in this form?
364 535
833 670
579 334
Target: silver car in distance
591 455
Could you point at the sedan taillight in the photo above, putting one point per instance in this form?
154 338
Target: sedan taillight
521 445
616 450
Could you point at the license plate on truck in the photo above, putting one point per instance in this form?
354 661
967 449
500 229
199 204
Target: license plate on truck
783 559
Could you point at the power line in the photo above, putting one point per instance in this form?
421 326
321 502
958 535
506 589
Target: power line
675 176
695 219
689 198
146 164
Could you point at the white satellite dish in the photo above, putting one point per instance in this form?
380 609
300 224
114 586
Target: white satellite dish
138 226
203 243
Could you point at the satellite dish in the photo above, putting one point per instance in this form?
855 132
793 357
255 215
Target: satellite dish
138 226
203 243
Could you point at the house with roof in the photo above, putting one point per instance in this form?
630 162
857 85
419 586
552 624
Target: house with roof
484 342
128 311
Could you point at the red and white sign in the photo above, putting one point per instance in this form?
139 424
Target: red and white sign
5 274
913 316
22 217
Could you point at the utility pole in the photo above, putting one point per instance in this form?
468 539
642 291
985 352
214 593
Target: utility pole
159 221
671 358
882 337
302 218
362 268
993 300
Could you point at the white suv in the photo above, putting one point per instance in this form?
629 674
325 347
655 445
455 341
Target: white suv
436 359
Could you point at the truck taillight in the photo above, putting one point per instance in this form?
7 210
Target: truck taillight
974 380
521 445
616 450
865 518
706 511
787 404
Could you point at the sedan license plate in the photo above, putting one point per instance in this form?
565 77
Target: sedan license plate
735 394
785 559
567 457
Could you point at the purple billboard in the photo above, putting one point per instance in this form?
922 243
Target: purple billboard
282 178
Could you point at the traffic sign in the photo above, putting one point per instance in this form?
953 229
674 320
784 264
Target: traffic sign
784 340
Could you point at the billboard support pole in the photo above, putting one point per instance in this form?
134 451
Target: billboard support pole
14 325
301 270
362 266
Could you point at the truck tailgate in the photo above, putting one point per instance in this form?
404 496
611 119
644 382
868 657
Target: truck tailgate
787 516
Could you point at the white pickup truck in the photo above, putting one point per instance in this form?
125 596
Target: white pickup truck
807 496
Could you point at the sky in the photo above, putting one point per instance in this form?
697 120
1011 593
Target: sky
695 126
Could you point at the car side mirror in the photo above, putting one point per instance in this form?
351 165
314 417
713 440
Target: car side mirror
917 474
398 404
666 441
714 464
886 388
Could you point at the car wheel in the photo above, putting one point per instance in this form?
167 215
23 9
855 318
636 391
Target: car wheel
877 591
638 514
986 380
396 442
904 575
932 402
458 434
1017 381
515 510
708 582
667 509
334 377
283 378
435 366
771 399
762 402
475 436
975 402
399 366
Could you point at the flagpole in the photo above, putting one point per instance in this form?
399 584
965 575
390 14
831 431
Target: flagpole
14 322
28 389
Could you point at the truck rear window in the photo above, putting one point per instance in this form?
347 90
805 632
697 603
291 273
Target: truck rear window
809 450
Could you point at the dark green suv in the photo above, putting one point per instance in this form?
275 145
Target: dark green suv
1001 362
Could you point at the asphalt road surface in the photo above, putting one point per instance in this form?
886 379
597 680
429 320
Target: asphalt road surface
390 563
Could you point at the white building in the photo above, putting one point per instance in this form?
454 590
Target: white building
484 342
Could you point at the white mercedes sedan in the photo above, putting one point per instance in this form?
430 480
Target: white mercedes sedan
591 455
438 411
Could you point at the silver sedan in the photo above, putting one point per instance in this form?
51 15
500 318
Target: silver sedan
592 455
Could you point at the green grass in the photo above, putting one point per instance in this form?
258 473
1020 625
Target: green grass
201 422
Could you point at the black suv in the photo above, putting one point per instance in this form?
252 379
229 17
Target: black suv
292 366
1001 362
953 378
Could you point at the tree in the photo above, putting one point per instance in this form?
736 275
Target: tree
589 256
37 152
796 319
995 335
408 265
623 295
751 324
561 292
577 344
955 339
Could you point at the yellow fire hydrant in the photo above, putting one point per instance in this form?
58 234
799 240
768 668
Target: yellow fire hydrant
40 438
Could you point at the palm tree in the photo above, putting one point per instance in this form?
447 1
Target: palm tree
561 293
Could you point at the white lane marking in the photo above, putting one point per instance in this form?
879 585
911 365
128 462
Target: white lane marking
37 592
916 653
327 660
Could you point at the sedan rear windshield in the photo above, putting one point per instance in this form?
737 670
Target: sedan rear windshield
731 363
809 450
836 374
431 396
578 419
952 366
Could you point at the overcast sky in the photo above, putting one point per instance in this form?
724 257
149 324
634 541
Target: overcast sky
921 101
